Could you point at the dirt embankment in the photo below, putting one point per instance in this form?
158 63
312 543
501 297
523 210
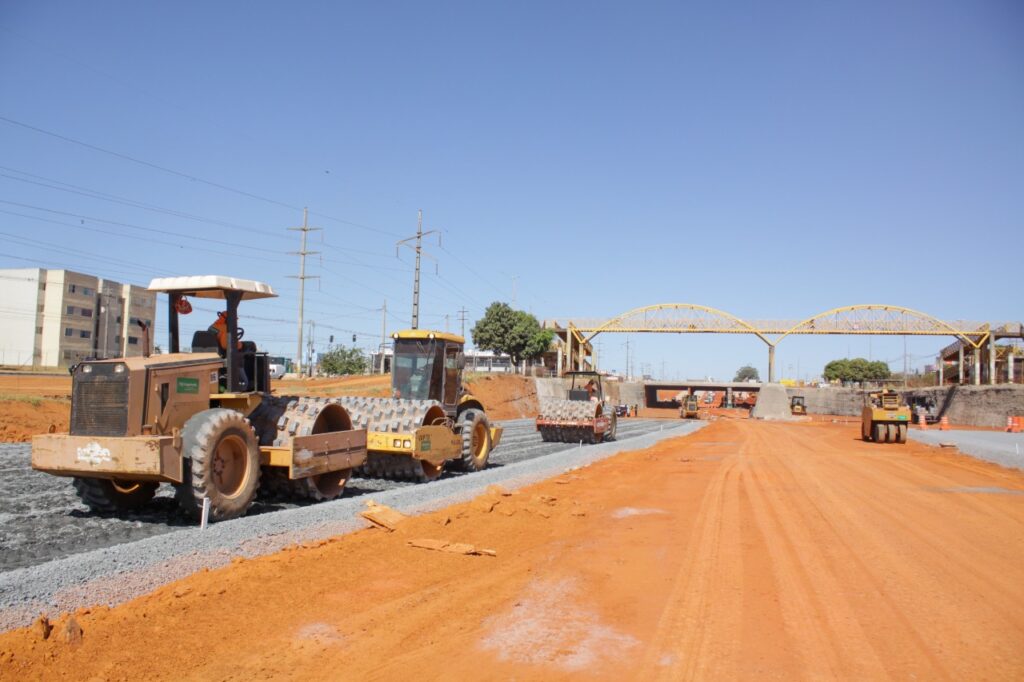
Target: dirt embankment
31 405
749 550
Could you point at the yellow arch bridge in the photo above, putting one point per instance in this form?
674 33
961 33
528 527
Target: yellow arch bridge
864 319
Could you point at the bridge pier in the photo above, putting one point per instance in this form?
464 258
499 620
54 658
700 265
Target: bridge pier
771 363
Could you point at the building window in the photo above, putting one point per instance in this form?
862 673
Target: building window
71 310
132 341
119 319
86 291
85 334
72 288
67 355
86 312
68 331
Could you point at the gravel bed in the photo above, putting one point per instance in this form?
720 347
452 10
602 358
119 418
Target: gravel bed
1005 449
58 556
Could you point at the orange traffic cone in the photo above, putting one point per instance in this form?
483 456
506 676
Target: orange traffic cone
1011 424
921 421
943 423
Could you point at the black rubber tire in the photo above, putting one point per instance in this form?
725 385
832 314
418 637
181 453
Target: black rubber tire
218 443
473 426
865 432
902 434
891 433
878 432
112 497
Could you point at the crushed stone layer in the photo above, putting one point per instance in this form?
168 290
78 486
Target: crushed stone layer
115 573
751 551
1003 448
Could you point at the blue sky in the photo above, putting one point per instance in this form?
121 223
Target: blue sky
770 159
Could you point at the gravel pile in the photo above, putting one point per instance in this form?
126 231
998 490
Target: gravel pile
114 574
772 403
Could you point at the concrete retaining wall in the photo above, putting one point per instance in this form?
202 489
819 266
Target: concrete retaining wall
631 393
968 405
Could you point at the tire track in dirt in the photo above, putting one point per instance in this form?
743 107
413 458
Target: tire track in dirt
679 648
905 582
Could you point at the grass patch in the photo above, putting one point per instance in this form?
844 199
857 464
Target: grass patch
32 400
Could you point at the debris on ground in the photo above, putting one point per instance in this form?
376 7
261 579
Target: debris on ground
382 515
451 547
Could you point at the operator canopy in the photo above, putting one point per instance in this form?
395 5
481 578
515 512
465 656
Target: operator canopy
211 286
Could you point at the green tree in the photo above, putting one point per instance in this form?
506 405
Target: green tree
343 360
857 369
511 332
746 373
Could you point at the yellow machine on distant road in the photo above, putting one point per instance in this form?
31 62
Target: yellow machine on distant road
797 406
690 409
431 420
884 419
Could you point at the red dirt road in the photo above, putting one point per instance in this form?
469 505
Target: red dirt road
748 550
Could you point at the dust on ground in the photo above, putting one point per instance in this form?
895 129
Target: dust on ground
785 551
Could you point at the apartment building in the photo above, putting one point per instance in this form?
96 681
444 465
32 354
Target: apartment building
55 318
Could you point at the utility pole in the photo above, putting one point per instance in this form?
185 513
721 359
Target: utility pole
383 333
309 357
302 253
420 234
462 320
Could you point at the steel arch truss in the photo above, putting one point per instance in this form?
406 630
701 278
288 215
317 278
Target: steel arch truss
876 319
683 318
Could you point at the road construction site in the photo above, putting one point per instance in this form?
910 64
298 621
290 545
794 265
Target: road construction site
744 550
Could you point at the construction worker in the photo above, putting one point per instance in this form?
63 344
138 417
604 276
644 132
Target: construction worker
220 328
591 389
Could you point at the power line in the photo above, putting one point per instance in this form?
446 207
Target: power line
126 157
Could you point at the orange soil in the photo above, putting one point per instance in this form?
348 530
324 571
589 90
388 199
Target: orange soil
20 419
748 550
504 397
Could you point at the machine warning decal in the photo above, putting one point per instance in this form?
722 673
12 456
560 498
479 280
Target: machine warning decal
94 453
425 444
187 385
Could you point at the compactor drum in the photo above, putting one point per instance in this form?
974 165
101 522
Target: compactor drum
581 416
202 420
884 419
432 421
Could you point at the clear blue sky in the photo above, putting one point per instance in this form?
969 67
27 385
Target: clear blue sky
770 159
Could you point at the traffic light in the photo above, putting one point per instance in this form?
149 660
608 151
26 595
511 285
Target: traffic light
353 338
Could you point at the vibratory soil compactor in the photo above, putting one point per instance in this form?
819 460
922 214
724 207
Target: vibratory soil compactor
432 420
690 408
581 416
203 421
884 419
797 406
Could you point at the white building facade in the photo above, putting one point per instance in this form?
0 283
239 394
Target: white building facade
56 318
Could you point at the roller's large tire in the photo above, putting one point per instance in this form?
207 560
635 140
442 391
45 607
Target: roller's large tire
476 441
222 462
902 434
878 432
891 433
107 496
